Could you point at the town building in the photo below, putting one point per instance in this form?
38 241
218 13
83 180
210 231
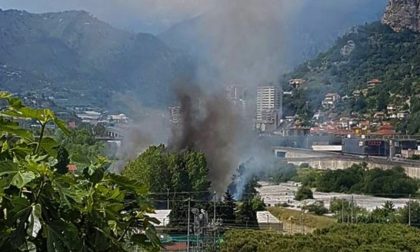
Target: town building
330 100
175 114
269 107
296 83
118 119
373 83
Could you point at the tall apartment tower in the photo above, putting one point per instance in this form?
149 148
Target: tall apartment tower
269 107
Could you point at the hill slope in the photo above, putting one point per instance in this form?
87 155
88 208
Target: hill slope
79 56
372 51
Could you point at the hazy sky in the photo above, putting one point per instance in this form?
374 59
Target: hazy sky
157 15
137 15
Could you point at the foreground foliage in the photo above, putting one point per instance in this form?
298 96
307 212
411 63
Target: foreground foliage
362 237
44 208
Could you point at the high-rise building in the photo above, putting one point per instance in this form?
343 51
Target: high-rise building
175 114
269 107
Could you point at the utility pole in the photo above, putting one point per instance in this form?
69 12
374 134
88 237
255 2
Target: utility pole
214 208
214 220
352 210
301 222
342 210
409 210
188 225
167 198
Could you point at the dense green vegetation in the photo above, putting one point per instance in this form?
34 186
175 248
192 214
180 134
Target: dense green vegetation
304 193
358 179
374 237
45 208
348 212
174 177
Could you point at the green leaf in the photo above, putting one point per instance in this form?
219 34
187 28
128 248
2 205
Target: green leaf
62 236
22 178
41 115
49 145
21 208
150 232
4 95
62 126
14 128
15 102
7 167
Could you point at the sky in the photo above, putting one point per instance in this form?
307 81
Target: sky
152 16
155 16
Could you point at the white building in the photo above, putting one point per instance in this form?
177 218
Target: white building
268 221
269 107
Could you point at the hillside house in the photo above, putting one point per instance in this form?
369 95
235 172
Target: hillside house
296 83
330 100
373 83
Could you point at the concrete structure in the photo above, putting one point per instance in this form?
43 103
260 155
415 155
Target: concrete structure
267 221
334 161
269 107
335 148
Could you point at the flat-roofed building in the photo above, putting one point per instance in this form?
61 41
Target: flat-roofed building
269 107
268 221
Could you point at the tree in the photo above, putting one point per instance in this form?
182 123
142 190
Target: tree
245 215
411 213
226 209
317 208
304 193
44 210
258 203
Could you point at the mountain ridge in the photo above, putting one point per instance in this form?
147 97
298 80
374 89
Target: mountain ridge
75 50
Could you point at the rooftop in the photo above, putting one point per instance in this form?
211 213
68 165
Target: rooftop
266 217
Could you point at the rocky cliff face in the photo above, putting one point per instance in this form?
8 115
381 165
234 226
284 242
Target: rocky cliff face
403 14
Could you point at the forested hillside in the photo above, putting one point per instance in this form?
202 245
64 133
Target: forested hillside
370 52
73 55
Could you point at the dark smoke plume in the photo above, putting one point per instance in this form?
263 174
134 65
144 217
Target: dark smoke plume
208 124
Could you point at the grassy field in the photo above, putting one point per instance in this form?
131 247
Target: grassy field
293 219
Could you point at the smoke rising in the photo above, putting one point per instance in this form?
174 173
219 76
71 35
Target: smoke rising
244 41
245 44
208 124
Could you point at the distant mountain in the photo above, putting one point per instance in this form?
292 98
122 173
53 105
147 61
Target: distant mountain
313 29
77 56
